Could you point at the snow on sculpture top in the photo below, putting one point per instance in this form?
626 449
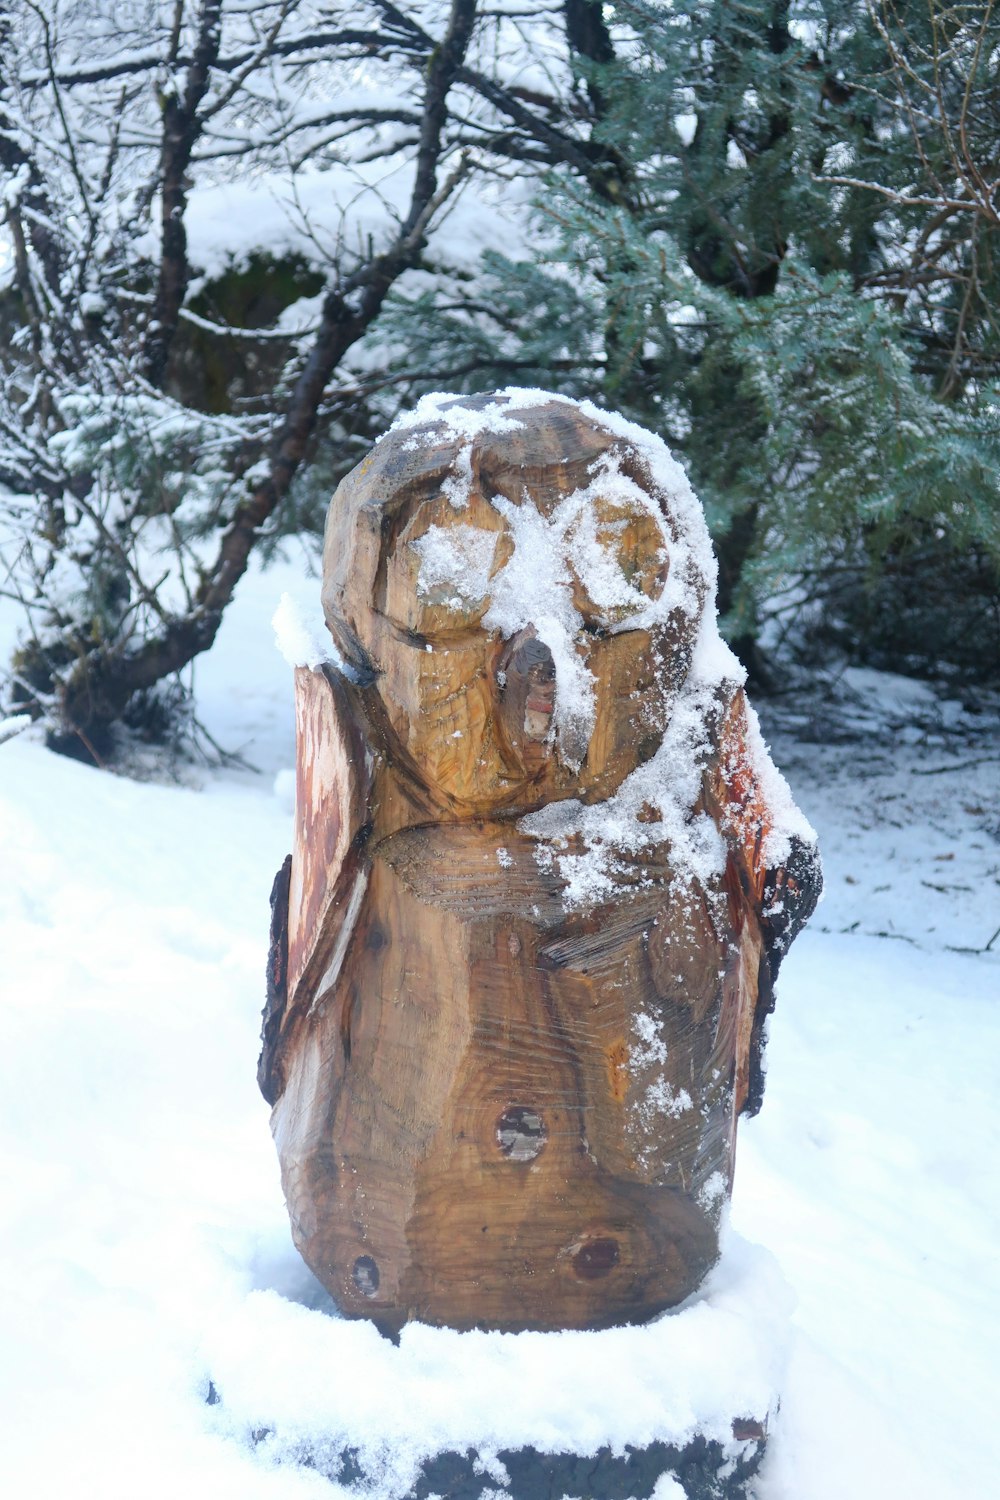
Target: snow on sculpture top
543 863
604 540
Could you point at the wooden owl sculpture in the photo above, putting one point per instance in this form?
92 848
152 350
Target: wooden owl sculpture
543 876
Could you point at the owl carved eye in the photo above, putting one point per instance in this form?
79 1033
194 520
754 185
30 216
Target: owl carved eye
438 576
438 573
618 560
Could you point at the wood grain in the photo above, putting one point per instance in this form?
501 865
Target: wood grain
495 1108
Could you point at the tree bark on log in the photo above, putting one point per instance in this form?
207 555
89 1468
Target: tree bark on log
705 1470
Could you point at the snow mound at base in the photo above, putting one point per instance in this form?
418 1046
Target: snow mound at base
308 1388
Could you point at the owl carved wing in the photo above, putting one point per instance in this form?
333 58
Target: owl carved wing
773 879
317 891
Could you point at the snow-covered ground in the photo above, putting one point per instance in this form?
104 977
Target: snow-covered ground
146 1253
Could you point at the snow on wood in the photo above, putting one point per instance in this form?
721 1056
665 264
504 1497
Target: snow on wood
299 631
13 724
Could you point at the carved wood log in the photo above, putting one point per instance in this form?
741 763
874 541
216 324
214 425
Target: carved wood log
543 873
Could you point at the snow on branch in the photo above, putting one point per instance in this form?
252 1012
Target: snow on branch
244 177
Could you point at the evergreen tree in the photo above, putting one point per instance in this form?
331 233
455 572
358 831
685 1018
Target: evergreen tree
794 275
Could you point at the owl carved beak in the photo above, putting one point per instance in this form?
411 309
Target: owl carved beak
526 677
539 703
